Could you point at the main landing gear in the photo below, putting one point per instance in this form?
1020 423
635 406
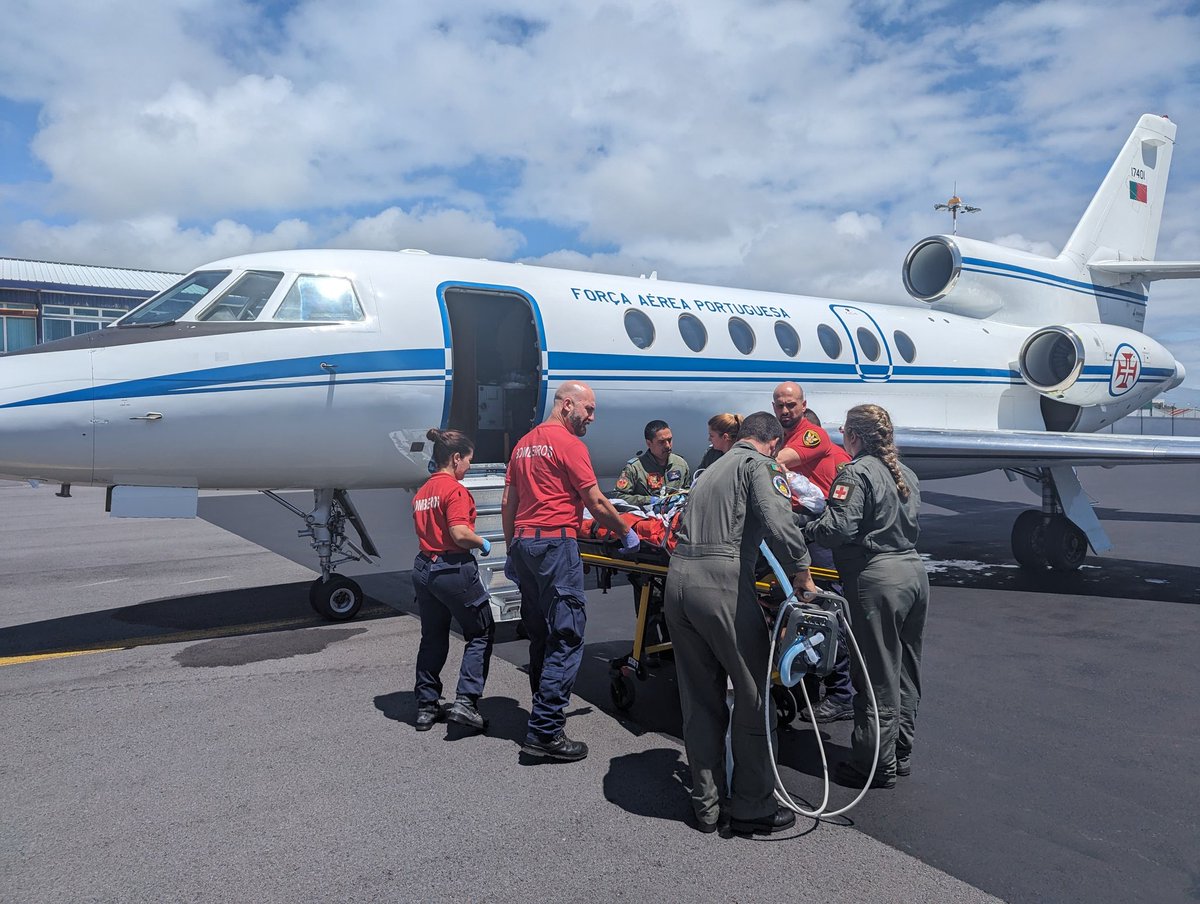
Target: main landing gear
1048 538
334 596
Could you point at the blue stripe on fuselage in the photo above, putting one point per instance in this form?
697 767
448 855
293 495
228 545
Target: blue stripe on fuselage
237 376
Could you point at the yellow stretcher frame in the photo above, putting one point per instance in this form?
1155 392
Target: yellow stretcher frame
623 670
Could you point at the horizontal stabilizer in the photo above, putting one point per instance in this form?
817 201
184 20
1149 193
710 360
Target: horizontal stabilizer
1150 270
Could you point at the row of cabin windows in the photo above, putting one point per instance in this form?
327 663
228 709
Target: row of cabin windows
640 329
309 299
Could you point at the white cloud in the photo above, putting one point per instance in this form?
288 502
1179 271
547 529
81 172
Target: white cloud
789 146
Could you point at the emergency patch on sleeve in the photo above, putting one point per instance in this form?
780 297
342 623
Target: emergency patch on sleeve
780 484
622 482
841 492
811 439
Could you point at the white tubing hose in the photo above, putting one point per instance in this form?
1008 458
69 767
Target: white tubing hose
781 793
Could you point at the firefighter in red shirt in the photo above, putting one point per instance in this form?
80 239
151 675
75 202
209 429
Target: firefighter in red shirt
808 450
549 480
446 582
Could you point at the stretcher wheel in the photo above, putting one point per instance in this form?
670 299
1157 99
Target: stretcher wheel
623 693
785 705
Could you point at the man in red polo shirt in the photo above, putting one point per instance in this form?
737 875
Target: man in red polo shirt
808 450
549 481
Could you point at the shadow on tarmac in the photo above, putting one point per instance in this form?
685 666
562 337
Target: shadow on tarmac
224 614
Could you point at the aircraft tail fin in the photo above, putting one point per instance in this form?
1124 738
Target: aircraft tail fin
1121 222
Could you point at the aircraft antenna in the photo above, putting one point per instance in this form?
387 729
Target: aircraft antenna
956 205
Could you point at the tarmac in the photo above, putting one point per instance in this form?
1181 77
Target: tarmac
181 727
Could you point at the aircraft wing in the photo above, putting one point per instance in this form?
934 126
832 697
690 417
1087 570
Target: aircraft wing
943 453
1151 270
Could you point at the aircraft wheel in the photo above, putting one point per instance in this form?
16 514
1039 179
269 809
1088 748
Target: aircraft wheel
623 693
337 599
1029 540
1066 545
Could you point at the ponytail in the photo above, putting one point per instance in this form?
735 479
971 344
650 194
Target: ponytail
872 426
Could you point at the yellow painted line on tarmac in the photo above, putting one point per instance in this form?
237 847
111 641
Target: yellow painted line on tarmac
182 637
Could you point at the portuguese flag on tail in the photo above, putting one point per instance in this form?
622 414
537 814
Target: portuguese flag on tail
1137 191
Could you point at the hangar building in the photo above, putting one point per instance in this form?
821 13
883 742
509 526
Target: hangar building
42 301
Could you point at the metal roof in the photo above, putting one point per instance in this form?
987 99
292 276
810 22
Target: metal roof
47 275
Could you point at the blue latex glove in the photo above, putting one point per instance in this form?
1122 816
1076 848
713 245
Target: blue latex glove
486 548
510 571
631 541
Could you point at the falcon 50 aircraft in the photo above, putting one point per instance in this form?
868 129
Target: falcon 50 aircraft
323 369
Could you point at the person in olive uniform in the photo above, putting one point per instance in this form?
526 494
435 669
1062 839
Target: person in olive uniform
650 475
871 526
654 473
718 627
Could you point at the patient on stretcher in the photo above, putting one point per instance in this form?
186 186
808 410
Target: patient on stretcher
657 523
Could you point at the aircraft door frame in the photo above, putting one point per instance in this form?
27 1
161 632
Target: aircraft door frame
458 411
852 319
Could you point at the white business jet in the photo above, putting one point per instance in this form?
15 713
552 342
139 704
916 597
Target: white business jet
323 369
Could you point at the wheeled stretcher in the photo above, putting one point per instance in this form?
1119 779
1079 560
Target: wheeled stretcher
650 562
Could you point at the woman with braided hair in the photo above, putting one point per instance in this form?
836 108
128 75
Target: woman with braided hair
871 526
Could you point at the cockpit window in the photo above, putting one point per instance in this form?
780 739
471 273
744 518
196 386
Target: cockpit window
176 301
320 299
244 300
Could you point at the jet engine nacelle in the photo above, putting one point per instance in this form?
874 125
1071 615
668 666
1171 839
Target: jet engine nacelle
1086 364
978 279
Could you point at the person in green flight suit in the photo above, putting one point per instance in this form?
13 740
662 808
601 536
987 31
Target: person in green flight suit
647 477
656 472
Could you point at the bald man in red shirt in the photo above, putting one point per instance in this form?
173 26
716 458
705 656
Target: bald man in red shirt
549 481
808 450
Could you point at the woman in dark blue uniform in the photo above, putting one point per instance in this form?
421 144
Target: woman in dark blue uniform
446 581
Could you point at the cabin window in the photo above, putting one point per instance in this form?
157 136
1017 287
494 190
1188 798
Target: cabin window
639 329
788 338
829 339
904 345
177 300
742 335
320 299
695 336
244 300
868 344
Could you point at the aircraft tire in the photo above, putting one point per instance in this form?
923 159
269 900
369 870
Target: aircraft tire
1029 540
337 599
1066 545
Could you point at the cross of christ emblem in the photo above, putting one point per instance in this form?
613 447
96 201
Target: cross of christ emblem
1127 370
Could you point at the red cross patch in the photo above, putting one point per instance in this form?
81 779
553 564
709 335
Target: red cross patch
841 492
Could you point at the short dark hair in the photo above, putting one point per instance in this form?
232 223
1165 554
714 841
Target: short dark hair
762 426
653 427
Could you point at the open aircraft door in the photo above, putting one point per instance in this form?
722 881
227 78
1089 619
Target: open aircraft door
872 354
496 388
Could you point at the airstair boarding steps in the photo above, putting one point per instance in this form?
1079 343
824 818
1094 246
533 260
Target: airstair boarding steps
486 483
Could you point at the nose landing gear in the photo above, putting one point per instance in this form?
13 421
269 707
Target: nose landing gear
332 595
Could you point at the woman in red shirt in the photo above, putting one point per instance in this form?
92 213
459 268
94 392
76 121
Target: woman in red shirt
446 581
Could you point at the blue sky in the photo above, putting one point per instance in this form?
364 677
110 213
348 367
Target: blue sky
783 145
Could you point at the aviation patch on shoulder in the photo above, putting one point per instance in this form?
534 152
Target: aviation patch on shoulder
675 474
811 439
654 481
780 484
841 492
622 482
